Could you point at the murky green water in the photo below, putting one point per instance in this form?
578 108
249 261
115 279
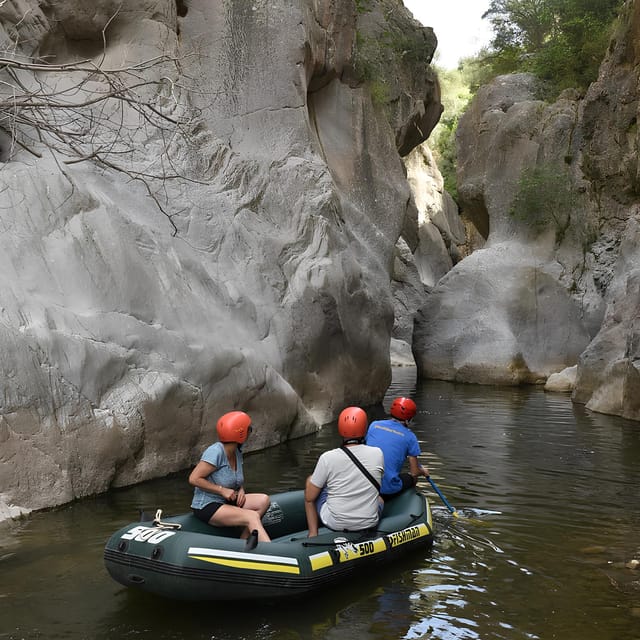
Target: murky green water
550 499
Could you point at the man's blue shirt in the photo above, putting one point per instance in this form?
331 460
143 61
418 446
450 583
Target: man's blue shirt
397 442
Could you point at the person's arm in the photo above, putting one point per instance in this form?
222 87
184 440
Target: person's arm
242 498
415 468
311 493
198 478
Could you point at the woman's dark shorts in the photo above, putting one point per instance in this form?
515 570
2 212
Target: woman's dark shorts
206 513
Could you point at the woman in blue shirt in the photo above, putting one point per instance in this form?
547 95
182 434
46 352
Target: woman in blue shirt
219 498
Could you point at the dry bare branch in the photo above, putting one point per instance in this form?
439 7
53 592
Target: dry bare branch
84 112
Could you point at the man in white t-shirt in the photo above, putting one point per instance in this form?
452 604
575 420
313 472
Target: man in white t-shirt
340 493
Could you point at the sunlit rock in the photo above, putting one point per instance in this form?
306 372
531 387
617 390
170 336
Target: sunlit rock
432 241
499 317
11 511
222 237
401 355
562 381
528 304
440 229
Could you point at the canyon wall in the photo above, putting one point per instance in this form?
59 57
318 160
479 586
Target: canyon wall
200 204
553 187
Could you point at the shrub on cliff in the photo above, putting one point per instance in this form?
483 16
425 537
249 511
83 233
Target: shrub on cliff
546 198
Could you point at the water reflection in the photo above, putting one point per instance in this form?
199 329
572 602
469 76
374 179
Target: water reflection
549 496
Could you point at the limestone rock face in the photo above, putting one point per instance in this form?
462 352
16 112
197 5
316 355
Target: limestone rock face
521 308
204 223
441 231
515 325
608 378
431 243
502 315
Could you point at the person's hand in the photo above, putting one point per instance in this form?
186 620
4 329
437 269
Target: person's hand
230 495
241 498
312 534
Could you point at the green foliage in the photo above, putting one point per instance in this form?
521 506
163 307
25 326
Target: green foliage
373 56
379 92
477 72
411 49
455 96
561 41
363 6
365 58
369 65
376 58
545 199
446 155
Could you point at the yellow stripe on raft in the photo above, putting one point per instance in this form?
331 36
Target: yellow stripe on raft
353 551
349 551
248 565
320 561
409 534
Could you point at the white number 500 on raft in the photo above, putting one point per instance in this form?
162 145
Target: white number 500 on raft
147 534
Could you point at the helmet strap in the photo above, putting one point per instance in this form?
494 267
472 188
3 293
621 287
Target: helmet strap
353 441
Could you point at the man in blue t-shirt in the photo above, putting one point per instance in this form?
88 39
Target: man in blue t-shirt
398 443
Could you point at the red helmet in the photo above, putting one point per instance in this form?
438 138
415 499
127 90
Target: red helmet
403 409
234 427
352 423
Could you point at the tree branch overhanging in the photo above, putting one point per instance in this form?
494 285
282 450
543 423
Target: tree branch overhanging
83 112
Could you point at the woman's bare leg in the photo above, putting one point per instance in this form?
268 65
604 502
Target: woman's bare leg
229 516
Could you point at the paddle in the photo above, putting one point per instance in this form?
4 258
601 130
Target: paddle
435 488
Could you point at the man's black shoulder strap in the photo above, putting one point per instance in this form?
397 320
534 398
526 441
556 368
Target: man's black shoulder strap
359 464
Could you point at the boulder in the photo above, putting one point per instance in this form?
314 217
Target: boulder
608 378
523 307
563 381
499 317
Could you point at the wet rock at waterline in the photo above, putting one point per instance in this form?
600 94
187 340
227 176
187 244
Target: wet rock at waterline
562 381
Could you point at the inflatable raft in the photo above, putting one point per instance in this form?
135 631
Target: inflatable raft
181 557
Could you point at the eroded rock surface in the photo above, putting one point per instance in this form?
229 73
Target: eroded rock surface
221 238
556 285
521 308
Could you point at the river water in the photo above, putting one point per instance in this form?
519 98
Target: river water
548 496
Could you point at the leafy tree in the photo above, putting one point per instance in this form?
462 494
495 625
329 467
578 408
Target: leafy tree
561 41
520 24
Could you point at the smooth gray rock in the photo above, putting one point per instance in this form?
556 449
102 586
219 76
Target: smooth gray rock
228 248
608 378
563 381
431 242
516 324
523 307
